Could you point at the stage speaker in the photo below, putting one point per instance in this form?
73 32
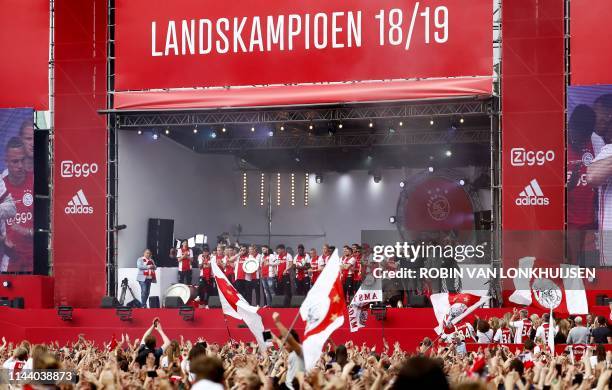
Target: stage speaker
109 302
160 233
214 302
18 303
601 300
5 302
296 300
417 301
154 303
173 302
277 301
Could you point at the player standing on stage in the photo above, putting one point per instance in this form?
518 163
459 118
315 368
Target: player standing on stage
268 273
316 264
240 277
185 255
253 277
284 263
347 267
301 261
19 185
205 286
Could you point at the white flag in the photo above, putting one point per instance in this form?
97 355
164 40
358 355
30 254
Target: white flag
367 293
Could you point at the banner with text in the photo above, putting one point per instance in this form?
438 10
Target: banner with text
193 43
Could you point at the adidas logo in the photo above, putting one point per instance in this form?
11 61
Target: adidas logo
532 195
79 205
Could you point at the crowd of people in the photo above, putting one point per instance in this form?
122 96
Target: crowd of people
156 362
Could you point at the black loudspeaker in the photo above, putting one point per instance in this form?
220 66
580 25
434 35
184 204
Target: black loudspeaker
18 303
601 300
296 300
109 302
160 233
417 301
214 302
41 202
277 301
154 303
5 302
173 302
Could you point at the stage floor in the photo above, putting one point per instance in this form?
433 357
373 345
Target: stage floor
408 326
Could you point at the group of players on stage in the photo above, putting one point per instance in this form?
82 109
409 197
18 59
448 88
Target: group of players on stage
276 273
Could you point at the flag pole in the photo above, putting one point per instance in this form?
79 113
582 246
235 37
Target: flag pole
227 327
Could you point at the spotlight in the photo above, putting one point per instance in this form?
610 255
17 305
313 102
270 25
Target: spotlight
6 284
223 129
282 128
155 136
431 122
310 126
402 184
377 178
448 153
139 132
461 182
401 123
270 133
167 131
124 313
340 125
187 313
461 120
297 158
195 130
392 219
430 169
431 158
213 134
371 124
252 129
65 313
318 178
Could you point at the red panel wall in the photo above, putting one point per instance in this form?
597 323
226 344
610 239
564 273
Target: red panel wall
591 48
79 211
24 42
533 121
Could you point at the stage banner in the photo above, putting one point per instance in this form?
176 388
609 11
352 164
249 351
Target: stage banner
194 43
533 137
591 57
24 42
79 193
17 190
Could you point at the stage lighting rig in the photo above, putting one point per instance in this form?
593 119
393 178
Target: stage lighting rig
392 219
402 184
379 311
6 284
124 313
318 178
65 313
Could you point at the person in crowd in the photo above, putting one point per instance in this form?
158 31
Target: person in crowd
563 332
301 262
209 373
521 324
542 330
206 284
347 268
268 274
19 184
601 334
254 277
172 355
484 333
148 345
284 265
420 372
579 334
580 194
17 362
185 257
295 359
503 334
146 275
199 349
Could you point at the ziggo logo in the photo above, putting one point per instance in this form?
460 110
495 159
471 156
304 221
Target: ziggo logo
19 218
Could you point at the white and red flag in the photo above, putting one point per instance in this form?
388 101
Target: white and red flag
564 295
234 305
369 291
323 311
451 308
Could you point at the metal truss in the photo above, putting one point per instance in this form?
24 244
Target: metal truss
421 137
143 119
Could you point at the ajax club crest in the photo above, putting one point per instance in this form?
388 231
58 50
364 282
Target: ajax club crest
438 205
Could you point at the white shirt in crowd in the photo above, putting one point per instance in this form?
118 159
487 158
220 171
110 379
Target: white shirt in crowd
295 364
518 332
605 211
484 338
542 332
185 368
205 384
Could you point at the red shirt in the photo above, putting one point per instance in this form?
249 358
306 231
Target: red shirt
358 273
506 336
205 273
184 263
23 197
265 269
348 271
282 265
300 272
581 198
240 274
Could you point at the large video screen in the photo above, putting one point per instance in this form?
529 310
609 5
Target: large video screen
589 189
16 190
